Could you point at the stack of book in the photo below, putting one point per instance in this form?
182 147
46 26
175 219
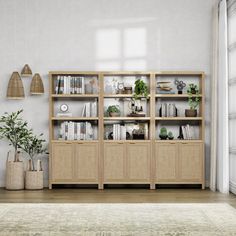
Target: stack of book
89 109
168 110
69 85
70 130
188 131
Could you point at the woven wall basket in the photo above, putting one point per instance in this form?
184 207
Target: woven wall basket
36 86
14 175
34 180
15 89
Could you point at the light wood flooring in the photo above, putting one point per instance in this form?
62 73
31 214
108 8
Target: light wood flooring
122 195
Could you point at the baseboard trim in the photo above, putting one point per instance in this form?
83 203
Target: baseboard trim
232 187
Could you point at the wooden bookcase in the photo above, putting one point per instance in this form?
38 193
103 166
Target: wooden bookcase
151 161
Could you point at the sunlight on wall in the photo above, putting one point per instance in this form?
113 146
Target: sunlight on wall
121 49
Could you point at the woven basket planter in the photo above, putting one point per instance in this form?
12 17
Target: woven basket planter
34 180
14 175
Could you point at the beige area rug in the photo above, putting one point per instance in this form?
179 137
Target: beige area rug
117 219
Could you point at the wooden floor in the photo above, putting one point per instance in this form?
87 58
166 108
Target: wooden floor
116 196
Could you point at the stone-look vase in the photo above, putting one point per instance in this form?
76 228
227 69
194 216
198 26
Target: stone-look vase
14 174
190 113
114 114
34 180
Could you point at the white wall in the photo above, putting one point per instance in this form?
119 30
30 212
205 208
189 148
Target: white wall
99 35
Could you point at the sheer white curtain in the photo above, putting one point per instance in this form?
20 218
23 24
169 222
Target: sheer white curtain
232 92
219 137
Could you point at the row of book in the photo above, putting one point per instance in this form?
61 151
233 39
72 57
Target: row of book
70 130
129 131
89 109
168 110
188 132
69 85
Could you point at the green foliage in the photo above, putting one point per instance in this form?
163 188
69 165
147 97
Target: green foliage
33 145
193 88
170 135
193 96
140 89
113 108
14 129
163 131
193 101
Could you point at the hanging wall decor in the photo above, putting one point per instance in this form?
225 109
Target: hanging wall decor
15 89
26 71
36 86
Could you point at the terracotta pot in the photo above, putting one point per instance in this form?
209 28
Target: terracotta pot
190 112
34 180
114 114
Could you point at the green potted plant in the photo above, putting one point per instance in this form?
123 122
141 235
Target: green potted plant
113 111
193 102
33 146
192 89
163 133
170 135
14 129
140 89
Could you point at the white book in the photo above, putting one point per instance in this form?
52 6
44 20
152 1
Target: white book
83 110
62 131
65 85
145 131
188 132
71 130
78 131
184 132
94 109
123 132
87 109
75 131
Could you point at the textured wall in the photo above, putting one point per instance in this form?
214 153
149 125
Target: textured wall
99 35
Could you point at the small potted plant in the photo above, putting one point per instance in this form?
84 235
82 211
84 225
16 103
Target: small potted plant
192 89
14 129
193 102
140 89
163 133
33 146
170 135
113 111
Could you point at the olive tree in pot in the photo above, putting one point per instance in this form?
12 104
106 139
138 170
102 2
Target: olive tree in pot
113 111
193 101
33 146
14 129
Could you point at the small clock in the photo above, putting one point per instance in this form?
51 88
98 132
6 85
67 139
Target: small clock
120 86
64 107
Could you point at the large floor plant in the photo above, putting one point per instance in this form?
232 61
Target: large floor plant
33 145
14 129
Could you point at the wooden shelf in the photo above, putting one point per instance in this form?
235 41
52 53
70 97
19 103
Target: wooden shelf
128 141
121 96
74 118
195 73
74 141
125 118
176 95
179 141
178 118
75 95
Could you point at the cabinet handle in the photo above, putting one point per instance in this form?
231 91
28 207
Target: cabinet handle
131 143
80 143
172 143
68 143
184 143
119 143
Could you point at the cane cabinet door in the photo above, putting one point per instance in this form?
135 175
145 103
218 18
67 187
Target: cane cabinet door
114 162
86 162
62 162
138 162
